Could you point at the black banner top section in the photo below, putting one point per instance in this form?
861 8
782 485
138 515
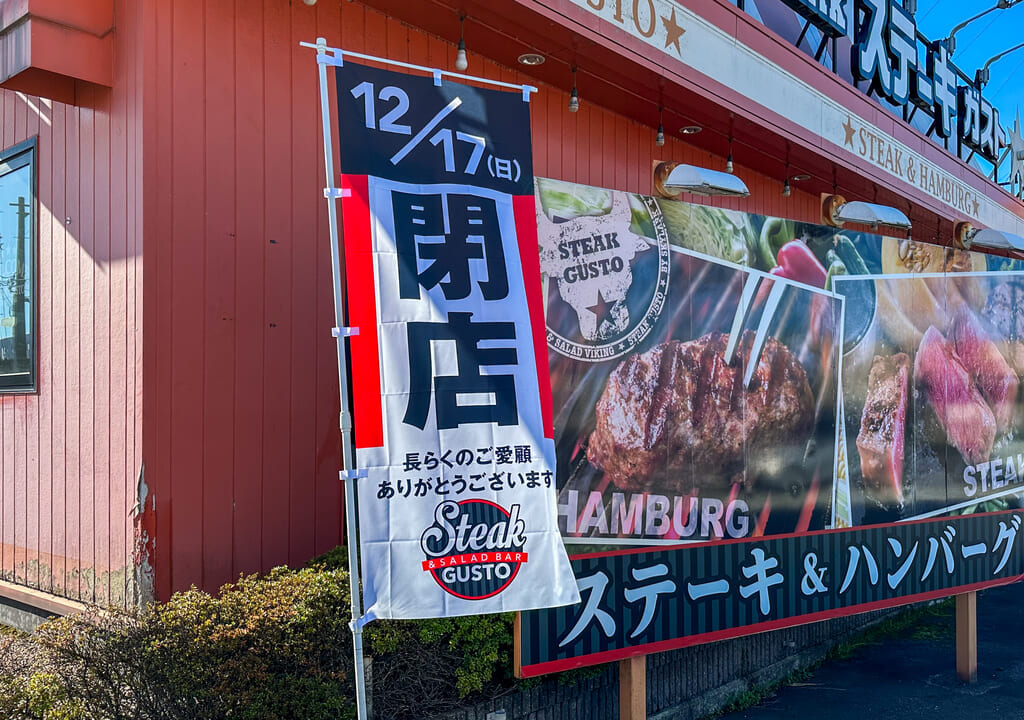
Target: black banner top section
407 128
651 600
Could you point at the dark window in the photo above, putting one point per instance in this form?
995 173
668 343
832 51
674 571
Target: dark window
18 268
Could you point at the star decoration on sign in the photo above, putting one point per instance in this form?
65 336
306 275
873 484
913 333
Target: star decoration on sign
849 130
1016 143
602 309
976 206
672 31
590 259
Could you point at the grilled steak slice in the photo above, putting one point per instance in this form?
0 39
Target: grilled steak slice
963 413
677 416
883 428
986 366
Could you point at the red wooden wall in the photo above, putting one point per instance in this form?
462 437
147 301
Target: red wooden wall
72 453
241 408
214 112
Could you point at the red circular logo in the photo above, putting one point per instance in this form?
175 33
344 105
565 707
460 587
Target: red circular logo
474 548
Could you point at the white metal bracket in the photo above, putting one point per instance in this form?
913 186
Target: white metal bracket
359 624
344 331
328 56
337 193
357 474
335 56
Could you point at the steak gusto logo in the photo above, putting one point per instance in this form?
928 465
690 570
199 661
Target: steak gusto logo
613 281
474 548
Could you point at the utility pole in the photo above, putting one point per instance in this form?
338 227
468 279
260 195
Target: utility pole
18 290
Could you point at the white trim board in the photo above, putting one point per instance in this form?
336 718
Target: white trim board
702 47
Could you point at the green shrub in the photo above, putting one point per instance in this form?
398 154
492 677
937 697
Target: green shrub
268 648
430 666
39 696
27 689
272 647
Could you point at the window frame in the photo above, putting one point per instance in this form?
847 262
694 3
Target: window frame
26 153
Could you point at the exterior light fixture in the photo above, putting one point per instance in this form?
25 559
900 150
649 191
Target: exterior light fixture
461 63
309 2
965 235
728 160
690 130
981 77
786 188
670 179
574 96
659 139
836 211
531 59
950 42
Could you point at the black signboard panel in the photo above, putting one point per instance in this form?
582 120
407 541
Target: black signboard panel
407 133
642 601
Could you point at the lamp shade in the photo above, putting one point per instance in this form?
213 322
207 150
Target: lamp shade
997 239
701 181
837 211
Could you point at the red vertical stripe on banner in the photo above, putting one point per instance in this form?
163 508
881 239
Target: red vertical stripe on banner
525 212
362 312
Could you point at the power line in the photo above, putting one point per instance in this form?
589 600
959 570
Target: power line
926 12
1009 77
976 37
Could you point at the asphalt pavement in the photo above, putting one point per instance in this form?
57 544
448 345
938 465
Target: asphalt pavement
910 672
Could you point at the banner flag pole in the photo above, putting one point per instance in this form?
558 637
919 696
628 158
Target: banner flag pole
463 151
349 473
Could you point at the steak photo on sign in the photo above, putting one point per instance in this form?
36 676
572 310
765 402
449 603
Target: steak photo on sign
694 385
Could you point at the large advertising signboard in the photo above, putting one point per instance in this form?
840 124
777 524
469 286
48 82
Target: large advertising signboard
695 386
931 388
449 372
797 421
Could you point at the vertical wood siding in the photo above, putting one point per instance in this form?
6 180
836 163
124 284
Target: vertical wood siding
72 452
241 401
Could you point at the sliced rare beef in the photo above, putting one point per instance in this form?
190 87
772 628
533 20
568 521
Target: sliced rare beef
986 366
965 416
678 416
880 442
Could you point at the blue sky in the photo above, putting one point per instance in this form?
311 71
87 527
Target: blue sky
997 31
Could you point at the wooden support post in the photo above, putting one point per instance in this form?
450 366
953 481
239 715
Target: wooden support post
633 688
967 637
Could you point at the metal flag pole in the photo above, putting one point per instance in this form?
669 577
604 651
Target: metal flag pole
349 473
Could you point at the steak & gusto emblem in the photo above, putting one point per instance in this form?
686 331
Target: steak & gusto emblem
591 260
474 548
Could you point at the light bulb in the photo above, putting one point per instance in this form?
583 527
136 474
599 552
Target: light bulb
786 189
574 100
728 164
460 57
659 139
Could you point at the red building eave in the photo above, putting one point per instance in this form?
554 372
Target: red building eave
619 72
48 47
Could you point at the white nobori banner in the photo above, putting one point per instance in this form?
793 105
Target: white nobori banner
452 402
